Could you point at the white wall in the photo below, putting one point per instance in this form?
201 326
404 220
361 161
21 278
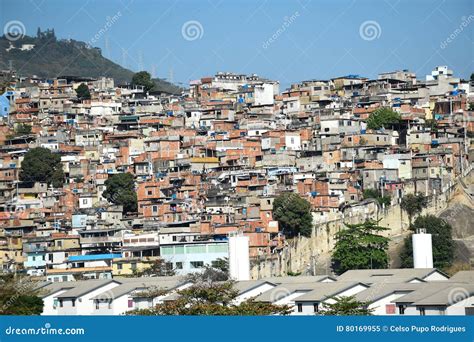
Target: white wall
460 307
48 303
253 292
84 304
436 276
379 306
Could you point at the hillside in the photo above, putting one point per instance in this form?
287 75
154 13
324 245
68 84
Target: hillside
51 58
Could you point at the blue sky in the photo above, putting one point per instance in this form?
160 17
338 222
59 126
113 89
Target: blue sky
285 40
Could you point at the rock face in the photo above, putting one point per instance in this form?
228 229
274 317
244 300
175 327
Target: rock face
461 218
460 214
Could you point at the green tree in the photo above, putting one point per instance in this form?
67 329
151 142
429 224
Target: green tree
375 194
472 77
382 117
442 242
212 298
23 129
413 204
143 78
346 306
120 189
293 214
218 271
158 268
41 165
18 296
83 92
360 247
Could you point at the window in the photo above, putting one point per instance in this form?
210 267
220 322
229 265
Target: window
60 303
97 305
196 249
134 265
401 310
316 307
150 192
179 265
130 303
155 209
119 266
422 311
390 309
300 307
197 264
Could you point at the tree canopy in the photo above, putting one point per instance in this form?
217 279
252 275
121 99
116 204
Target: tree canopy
346 306
360 247
23 129
293 214
217 271
158 268
120 189
413 204
143 78
212 298
441 239
41 165
18 297
375 194
83 92
382 117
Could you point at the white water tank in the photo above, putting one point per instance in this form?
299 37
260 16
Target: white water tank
239 261
422 249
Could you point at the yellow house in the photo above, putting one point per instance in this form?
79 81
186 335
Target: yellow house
129 266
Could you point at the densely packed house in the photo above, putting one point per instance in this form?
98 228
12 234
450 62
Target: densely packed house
209 162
